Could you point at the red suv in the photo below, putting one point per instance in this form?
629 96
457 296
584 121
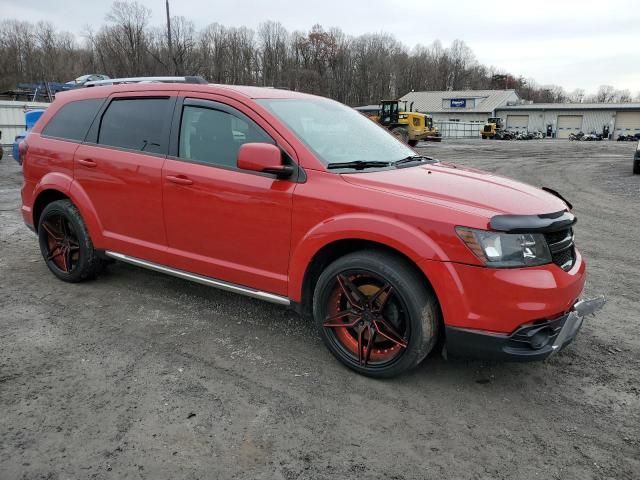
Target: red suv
302 201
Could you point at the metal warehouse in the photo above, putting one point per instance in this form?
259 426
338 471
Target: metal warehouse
561 119
461 105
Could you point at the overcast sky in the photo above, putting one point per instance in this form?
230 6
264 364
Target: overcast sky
572 43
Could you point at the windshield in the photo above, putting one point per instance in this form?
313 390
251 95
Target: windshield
335 132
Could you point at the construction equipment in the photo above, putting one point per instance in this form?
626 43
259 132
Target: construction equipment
492 128
408 126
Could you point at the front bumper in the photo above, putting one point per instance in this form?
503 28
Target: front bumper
530 342
500 300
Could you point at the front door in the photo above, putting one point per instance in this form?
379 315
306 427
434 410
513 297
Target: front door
120 169
223 222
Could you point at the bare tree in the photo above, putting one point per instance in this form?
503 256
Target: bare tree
123 43
605 94
577 96
355 70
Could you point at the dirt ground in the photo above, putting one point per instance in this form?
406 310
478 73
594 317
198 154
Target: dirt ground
140 375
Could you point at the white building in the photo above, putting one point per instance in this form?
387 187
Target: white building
12 118
460 113
461 105
565 118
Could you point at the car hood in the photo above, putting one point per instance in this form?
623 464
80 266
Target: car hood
461 188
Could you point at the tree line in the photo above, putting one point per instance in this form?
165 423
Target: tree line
355 70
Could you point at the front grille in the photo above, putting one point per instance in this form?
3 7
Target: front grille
487 129
562 248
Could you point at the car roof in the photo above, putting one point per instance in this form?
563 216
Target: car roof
237 91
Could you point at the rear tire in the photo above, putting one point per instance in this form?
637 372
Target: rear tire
636 167
397 323
484 137
65 243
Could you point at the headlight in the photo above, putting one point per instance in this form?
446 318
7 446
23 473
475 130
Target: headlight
404 116
503 250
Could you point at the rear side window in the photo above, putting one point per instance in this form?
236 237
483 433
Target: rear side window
137 124
73 120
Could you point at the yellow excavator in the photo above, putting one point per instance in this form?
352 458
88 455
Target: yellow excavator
492 128
408 126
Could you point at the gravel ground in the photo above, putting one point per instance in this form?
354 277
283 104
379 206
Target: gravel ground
139 375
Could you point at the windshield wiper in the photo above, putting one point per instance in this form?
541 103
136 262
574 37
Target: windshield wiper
414 158
358 164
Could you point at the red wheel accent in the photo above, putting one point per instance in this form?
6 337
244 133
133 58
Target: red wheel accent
367 318
63 249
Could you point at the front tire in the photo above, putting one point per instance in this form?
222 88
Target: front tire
413 143
375 313
636 167
65 243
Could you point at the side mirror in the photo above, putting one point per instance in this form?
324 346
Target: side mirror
263 157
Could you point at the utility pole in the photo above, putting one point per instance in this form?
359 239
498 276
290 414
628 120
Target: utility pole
169 40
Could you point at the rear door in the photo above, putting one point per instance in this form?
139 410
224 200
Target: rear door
119 167
223 222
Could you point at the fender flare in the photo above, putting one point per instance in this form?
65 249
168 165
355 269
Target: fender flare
400 236
69 187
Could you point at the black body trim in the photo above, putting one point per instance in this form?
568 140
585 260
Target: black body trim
528 343
550 222
533 341
553 192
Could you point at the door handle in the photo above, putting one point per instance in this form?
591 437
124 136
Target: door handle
87 162
180 179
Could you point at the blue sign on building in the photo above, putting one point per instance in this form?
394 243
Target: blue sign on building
458 103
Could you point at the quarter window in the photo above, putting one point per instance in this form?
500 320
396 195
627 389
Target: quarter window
215 136
73 120
136 124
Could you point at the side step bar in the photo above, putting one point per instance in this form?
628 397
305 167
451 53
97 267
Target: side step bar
211 282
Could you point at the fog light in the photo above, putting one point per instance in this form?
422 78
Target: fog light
540 339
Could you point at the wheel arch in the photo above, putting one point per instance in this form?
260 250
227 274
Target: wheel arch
338 248
52 189
44 198
348 233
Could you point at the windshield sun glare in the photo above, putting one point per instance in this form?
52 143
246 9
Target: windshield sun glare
335 132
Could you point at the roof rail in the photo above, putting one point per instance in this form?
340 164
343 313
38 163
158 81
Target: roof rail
115 81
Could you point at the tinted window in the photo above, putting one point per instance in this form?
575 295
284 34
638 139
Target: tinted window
73 120
136 124
213 136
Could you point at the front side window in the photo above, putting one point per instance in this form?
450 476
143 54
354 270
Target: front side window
214 136
136 124
73 120
335 132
